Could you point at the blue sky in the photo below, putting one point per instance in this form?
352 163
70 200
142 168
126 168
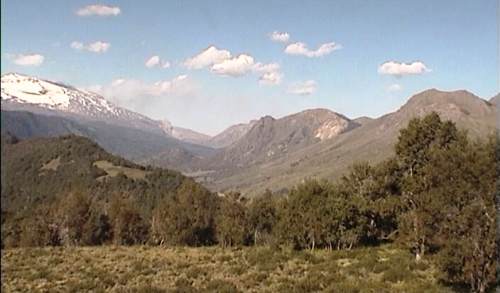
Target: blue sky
442 44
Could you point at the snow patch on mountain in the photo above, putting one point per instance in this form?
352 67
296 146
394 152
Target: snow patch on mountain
22 90
25 89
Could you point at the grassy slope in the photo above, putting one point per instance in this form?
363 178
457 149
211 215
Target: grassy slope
212 269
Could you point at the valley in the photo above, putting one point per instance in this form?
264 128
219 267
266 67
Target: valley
74 200
266 153
259 146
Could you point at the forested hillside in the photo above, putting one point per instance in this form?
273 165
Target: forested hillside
51 186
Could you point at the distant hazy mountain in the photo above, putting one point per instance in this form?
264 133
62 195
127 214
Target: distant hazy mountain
129 142
270 138
184 134
363 120
372 141
26 124
230 135
38 108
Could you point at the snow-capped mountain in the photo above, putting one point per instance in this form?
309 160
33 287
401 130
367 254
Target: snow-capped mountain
22 92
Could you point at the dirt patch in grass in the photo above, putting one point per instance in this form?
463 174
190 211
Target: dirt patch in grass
52 165
113 170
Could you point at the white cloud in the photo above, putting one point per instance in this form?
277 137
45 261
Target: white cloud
98 47
156 61
281 37
207 57
160 99
95 47
237 66
269 73
300 48
99 10
222 62
303 88
27 59
399 69
76 45
128 91
165 64
118 82
271 78
260 67
152 62
394 87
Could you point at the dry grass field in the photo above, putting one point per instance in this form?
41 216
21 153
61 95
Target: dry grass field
213 269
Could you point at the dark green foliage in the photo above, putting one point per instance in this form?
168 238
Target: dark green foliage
72 217
262 217
468 223
375 194
129 227
417 145
74 200
186 218
97 230
448 192
37 231
303 219
231 221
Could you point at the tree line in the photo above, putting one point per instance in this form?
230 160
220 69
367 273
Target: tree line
435 196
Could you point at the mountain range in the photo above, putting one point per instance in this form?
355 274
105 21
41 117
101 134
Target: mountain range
371 141
265 153
33 107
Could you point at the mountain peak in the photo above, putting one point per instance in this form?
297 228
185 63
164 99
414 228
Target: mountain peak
495 99
13 75
267 118
445 101
435 91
